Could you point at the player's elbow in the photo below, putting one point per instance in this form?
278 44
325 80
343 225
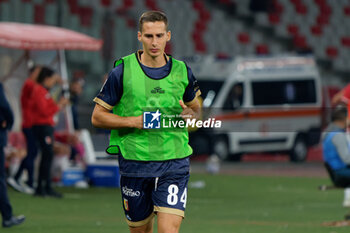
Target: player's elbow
100 117
95 120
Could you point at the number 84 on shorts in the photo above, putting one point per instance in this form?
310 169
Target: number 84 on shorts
143 196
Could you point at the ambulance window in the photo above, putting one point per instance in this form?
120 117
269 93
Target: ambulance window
209 90
284 92
234 99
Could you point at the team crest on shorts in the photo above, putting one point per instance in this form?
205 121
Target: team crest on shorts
126 204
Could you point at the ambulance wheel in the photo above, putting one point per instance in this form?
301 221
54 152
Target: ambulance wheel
222 150
299 151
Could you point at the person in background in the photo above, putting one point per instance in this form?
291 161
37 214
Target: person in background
76 89
15 152
235 99
44 109
336 151
6 122
32 149
343 97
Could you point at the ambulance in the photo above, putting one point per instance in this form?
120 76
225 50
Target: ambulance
265 104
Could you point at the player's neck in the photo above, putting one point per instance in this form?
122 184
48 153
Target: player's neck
153 62
340 124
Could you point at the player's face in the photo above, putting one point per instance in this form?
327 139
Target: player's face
153 38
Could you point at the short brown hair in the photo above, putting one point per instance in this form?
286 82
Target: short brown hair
339 113
153 16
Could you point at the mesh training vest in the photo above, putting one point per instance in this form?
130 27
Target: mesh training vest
142 93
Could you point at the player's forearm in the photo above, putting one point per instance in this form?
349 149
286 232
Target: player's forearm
337 97
197 112
107 120
112 121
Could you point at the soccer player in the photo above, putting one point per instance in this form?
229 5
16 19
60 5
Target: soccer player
154 163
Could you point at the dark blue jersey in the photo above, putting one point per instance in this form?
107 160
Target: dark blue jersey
110 95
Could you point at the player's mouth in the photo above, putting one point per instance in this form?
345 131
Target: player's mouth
154 50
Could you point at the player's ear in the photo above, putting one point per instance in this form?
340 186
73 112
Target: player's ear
168 35
139 35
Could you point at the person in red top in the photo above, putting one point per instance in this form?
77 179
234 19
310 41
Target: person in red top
44 109
32 149
26 94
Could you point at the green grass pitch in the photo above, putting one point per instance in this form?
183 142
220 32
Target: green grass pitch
227 204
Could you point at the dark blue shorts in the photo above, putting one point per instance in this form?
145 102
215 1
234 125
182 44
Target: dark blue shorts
142 197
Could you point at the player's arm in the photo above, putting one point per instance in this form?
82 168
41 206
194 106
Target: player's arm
191 106
191 110
108 97
103 118
337 97
342 96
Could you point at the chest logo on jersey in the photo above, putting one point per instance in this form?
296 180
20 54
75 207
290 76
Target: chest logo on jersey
157 90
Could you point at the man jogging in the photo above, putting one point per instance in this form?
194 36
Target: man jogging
142 89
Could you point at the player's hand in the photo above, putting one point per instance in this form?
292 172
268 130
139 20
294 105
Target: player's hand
137 122
63 102
3 124
187 112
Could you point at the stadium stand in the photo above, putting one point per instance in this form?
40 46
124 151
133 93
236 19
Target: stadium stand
209 29
199 28
311 25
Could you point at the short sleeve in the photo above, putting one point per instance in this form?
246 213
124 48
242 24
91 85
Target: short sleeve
192 89
112 90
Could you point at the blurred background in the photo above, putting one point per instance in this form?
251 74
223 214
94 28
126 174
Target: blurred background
205 33
223 29
211 36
